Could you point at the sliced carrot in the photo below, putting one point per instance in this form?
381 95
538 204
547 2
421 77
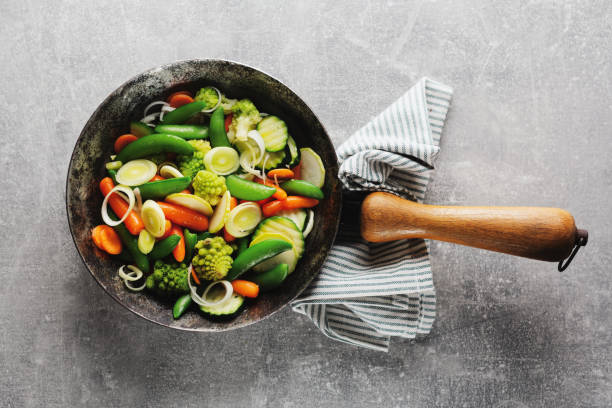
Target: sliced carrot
179 100
293 202
123 141
178 93
133 222
271 208
157 177
226 235
183 216
167 230
281 174
96 235
107 239
179 250
228 121
245 288
195 277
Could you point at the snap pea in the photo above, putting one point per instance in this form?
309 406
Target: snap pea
203 235
164 248
125 257
180 115
190 240
248 190
217 134
272 278
302 188
256 254
243 244
131 243
113 175
159 189
153 144
140 129
181 306
184 131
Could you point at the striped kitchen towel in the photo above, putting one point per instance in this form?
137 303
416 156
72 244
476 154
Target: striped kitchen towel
366 293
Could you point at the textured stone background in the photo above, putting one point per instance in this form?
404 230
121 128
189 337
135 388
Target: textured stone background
529 125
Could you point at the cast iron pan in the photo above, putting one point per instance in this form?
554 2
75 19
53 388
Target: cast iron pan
547 234
111 119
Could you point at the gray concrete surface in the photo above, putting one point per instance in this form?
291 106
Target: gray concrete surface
529 125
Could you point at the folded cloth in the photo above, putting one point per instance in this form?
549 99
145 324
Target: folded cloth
365 293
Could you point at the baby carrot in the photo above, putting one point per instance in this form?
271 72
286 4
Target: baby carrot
271 208
123 141
167 230
179 250
293 202
245 288
133 222
280 194
184 217
281 174
226 235
195 276
157 177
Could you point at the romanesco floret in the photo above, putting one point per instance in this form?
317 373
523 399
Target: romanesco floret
200 145
209 186
168 279
245 117
212 260
190 165
207 95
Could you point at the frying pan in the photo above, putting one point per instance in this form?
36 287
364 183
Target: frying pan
547 234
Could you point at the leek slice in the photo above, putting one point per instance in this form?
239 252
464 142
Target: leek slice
222 160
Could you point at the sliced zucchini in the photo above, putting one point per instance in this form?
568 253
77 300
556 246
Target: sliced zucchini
228 308
273 130
298 216
286 228
292 152
311 167
271 160
140 129
290 257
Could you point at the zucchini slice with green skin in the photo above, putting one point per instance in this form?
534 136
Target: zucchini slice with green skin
272 160
229 308
286 228
292 152
311 167
140 129
297 215
273 131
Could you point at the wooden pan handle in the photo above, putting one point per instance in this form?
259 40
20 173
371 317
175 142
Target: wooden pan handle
547 234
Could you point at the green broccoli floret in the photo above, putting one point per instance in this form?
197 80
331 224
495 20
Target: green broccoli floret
168 279
209 186
245 118
207 95
210 96
189 165
212 260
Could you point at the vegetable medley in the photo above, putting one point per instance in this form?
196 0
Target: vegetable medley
208 202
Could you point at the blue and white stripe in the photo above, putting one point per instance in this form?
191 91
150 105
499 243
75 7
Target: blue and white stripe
366 293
